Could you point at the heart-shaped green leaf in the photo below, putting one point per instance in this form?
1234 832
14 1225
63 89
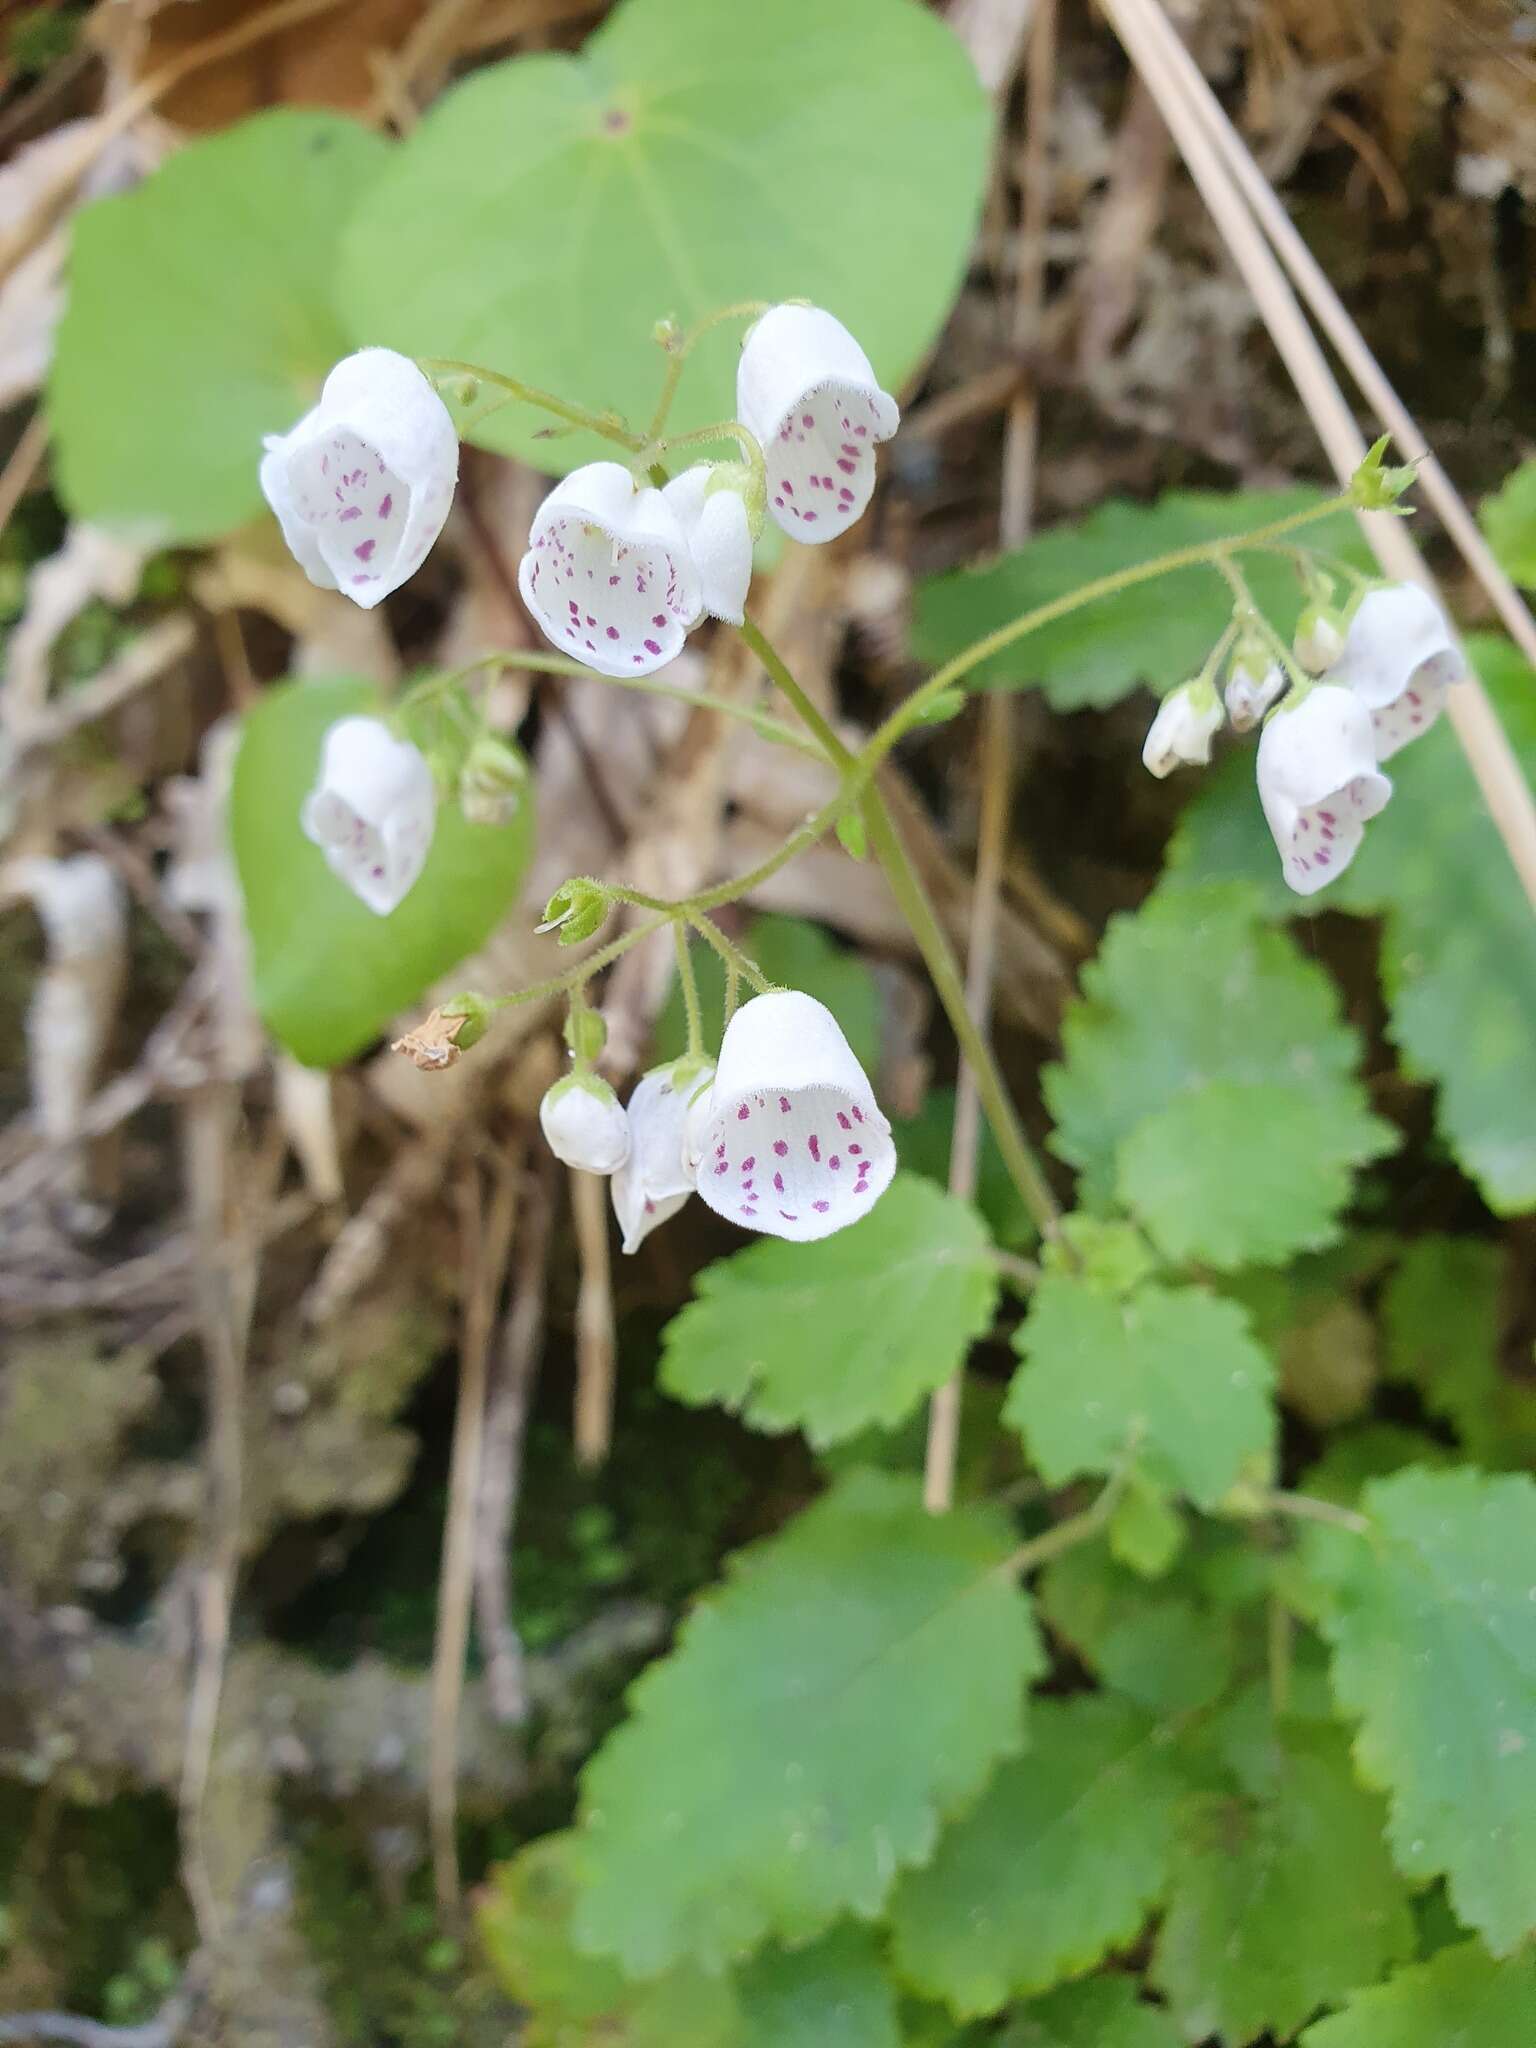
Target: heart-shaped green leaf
200 317
693 155
328 972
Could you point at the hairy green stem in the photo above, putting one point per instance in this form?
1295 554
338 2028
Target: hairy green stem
737 965
690 988
769 656
607 424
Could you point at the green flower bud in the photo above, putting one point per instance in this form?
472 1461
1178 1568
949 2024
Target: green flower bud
475 1011
584 1032
492 781
577 909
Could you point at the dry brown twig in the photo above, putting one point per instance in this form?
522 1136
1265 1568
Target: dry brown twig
995 738
596 1339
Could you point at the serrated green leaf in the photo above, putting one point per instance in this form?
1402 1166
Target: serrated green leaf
1354 1457
1459 947
1146 1530
1460 1998
680 163
328 973
1060 1861
1508 518
1440 1317
834 1336
1167 1650
581 2001
1282 1902
834 1994
1193 998
1432 1622
849 1687
200 317
792 953
1174 1371
1103 2012
1158 634
1247 1171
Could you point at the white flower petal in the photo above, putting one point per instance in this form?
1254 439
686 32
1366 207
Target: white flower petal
362 485
654 1183
608 574
584 1124
1319 784
1186 721
809 393
1251 690
372 811
719 537
795 1144
1319 643
1400 657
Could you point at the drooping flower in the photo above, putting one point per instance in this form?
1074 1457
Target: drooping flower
1186 722
1254 681
808 392
795 1144
372 811
1319 784
362 485
608 574
1400 657
654 1181
719 535
584 1124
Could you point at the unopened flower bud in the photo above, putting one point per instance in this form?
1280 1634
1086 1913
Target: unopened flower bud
577 909
1319 638
1186 721
654 1182
492 782
584 1124
584 1032
1254 682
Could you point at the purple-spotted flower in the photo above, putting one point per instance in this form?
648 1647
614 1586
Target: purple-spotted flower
372 811
1319 784
808 392
608 574
362 485
795 1144
1186 722
584 1124
654 1181
1400 657
718 531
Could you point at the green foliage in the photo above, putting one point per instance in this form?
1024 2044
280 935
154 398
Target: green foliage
923 1145
791 953
834 1994
1440 1313
201 316
1461 983
1060 1862
1104 2012
835 1336
1283 1897
1508 518
1460 1996
1431 1625
1158 635
852 1684
1173 1372
328 972
1171 1651
549 208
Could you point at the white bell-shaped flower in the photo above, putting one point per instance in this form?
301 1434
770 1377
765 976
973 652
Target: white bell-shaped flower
1254 682
1400 657
719 535
795 1144
1319 784
372 811
654 1181
1186 722
584 1124
362 485
808 392
608 573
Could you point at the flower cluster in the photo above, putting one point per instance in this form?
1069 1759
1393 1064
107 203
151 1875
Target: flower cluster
617 571
783 1135
1347 695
